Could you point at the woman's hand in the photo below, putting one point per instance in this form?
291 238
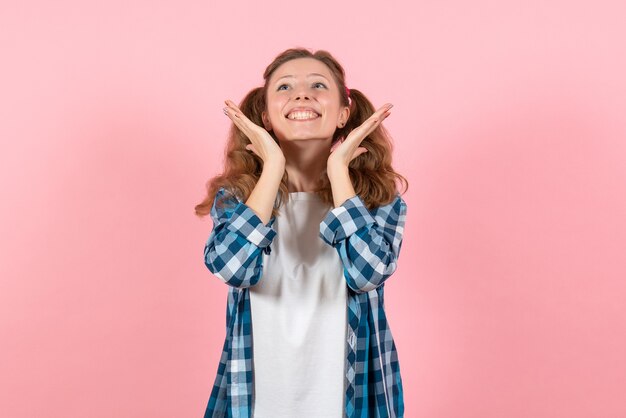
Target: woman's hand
343 152
262 144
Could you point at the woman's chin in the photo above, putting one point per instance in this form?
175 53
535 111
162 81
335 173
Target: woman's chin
306 136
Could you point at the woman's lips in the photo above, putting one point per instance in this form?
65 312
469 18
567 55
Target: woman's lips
303 115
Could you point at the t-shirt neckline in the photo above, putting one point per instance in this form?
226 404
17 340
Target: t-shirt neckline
303 196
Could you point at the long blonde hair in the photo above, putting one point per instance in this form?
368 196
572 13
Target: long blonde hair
372 175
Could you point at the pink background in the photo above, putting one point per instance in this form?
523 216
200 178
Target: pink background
508 120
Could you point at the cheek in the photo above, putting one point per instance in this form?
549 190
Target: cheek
275 110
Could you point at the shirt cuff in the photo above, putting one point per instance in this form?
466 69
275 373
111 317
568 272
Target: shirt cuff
246 223
345 220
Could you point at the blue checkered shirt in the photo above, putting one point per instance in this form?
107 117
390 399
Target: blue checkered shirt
368 244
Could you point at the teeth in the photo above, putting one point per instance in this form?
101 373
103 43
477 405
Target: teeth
302 115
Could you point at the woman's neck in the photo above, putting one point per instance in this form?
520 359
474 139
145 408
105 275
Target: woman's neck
305 161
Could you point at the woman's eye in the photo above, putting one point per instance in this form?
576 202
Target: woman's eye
314 84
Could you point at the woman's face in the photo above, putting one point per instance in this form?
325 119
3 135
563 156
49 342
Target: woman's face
303 101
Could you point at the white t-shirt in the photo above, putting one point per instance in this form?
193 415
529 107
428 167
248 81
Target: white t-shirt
298 311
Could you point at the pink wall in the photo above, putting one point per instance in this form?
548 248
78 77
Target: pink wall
509 122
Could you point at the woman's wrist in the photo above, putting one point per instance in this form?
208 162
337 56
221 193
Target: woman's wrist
340 183
336 169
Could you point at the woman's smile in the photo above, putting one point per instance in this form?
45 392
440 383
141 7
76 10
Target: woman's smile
302 113
302 116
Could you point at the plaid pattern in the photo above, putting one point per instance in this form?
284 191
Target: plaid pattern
368 244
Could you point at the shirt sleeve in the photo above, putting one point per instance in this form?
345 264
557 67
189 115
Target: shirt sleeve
368 243
234 249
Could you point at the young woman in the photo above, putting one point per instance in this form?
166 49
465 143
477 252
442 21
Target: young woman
307 227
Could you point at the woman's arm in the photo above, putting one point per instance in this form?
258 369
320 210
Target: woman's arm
368 243
233 251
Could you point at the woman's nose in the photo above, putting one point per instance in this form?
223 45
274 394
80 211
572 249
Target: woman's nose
301 93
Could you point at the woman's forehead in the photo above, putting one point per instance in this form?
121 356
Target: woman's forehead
302 67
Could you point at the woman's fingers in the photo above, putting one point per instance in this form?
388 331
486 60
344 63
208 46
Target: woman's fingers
376 119
348 149
231 104
262 143
251 148
381 114
239 119
359 151
232 109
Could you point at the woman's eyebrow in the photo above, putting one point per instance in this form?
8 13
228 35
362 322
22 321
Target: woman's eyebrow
291 76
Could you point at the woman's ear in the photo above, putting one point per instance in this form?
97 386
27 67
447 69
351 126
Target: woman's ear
266 121
344 116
